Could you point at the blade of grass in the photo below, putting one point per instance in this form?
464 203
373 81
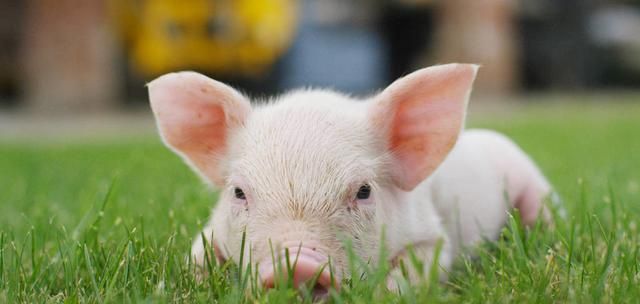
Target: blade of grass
2 276
92 274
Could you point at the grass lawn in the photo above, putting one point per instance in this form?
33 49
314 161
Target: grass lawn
112 221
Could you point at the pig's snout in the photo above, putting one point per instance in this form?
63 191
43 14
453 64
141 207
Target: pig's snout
305 266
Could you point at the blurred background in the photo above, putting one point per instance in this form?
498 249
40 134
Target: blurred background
86 185
78 59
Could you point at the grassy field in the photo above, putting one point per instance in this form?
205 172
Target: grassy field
112 221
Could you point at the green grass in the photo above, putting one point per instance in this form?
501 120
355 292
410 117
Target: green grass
106 221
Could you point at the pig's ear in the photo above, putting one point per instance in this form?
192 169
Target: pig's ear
195 116
421 116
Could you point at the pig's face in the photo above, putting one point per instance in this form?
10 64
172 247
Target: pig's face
308 171
313 168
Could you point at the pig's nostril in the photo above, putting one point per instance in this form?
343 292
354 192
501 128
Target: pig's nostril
319 291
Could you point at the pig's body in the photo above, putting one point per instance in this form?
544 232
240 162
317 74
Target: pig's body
313 167
468 198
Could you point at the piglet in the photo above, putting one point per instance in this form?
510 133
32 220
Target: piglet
305 171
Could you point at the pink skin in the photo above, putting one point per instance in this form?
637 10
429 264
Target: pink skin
307 263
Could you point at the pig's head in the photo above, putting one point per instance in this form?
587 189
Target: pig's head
313 168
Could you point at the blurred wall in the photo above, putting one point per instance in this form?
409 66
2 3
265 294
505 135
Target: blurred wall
74 55
11 12
68 56
481 32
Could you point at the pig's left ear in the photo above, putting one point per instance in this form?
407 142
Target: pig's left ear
421 116
196 116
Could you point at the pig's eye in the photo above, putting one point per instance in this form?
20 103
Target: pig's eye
364 192
239 193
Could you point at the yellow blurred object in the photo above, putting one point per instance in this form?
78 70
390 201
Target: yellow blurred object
234 37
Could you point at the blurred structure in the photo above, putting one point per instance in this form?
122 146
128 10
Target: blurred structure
557 49
243 37
10 33
337 47
93 54
483 32
67 55
615 32
237 41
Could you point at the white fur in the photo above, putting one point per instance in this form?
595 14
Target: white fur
301 158
308 148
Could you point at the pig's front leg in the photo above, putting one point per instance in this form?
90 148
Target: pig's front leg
425 253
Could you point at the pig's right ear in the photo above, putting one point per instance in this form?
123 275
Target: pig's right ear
420 117
195 115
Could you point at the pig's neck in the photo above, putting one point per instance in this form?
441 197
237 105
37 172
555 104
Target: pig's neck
410 219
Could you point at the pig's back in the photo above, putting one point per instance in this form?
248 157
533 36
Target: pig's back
481 179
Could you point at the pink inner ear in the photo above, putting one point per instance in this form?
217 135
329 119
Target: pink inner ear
428 109
194 114
194 127
420 142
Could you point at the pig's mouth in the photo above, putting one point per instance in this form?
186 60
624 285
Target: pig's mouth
303 267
